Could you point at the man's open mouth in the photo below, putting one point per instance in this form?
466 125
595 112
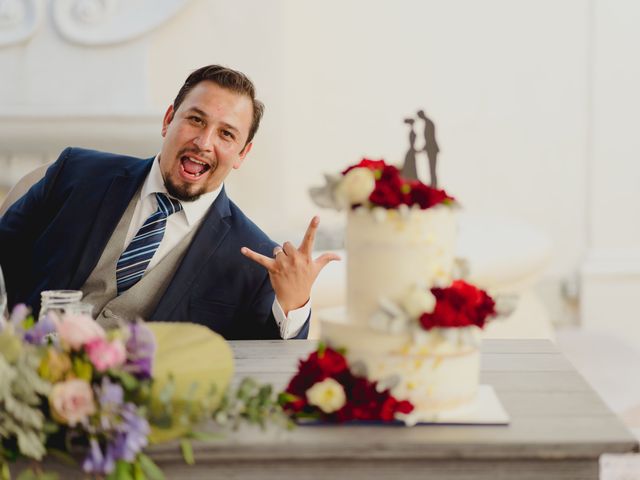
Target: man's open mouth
193 167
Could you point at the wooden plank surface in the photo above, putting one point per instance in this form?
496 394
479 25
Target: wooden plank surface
559 428
554 413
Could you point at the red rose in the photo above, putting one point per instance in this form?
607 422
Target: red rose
364 402
319 365
404 406
459 305
425 196
366 163
391 175
385 195
388 192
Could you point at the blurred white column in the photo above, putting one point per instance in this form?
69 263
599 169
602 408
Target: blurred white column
610 274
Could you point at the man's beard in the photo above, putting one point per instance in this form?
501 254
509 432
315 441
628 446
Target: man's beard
181 192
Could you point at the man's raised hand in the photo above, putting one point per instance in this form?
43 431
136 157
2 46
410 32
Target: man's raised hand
293 270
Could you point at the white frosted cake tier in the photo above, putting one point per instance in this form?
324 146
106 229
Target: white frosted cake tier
389 251
437 373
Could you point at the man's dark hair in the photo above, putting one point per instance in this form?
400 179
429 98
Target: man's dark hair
226 78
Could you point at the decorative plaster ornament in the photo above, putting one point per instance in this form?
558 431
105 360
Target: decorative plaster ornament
106 22
19 20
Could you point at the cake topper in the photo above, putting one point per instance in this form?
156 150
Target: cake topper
409 169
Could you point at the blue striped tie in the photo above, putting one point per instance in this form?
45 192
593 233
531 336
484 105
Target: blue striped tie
135 259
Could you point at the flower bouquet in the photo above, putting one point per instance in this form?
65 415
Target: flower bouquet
95 399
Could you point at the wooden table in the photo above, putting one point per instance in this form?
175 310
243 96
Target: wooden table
559 428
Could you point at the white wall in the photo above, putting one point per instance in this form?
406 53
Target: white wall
535 104
504 81
610 273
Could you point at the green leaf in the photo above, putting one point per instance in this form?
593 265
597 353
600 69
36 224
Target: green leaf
27 474
205 436
187 451
286 397
50 427
48 476
150 468
129 382
82 369
30 474
62 457
28 322
5 474
138 473
123 471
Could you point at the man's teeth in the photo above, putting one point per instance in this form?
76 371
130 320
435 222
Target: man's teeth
191 159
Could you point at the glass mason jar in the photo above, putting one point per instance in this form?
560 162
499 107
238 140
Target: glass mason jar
58 301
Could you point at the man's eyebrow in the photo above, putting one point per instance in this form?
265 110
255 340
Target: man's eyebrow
202 113
228 126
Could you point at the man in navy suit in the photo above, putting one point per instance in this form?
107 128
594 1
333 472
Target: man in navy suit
230 276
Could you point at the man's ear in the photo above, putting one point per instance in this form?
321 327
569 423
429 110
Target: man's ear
245 151
167 120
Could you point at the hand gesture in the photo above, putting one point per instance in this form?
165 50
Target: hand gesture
293 270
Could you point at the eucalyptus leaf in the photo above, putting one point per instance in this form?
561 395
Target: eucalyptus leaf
187 451
205 436
151 470
123 471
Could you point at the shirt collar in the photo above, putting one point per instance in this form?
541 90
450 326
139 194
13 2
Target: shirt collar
193 211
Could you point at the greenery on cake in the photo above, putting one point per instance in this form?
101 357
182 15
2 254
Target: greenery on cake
374 183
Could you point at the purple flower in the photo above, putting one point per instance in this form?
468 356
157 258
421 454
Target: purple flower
18 314
124 429
97 463
132 434
38 334
110 397
141 347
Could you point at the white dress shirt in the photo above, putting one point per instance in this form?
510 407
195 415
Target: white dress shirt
181 223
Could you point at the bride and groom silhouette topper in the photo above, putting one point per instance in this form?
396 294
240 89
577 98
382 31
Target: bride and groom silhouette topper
409 168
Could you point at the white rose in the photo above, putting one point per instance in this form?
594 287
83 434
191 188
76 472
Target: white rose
418 301
327 395
355 187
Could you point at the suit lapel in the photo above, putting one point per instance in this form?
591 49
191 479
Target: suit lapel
205 243
113 205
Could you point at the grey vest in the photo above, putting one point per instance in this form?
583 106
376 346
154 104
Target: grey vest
141 299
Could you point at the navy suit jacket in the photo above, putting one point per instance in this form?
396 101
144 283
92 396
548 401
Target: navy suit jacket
53 237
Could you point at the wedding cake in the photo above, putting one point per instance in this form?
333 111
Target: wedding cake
410 325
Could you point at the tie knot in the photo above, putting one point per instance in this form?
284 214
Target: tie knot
167 205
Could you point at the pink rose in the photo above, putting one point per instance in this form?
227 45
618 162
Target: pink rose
104 354
72 401
76 330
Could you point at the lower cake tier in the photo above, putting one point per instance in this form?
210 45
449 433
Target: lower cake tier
438 377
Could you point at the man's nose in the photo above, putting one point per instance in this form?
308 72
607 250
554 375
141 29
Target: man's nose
204 141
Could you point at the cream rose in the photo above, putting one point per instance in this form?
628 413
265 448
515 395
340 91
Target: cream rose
76 330
72 401
355 187
327 395
418 301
